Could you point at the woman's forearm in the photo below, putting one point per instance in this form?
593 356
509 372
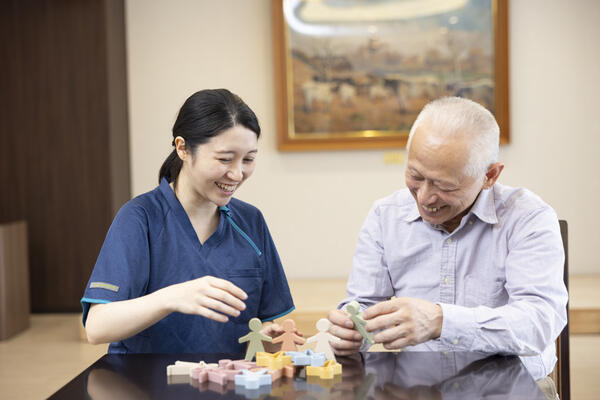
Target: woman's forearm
122 319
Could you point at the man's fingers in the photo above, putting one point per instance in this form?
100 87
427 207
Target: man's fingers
391 334
383 321
228 287
340 318
399 343
343 333
385 307
344 347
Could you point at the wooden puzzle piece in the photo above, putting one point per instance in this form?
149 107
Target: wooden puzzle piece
289 371
275 373
353 309
324 339
186 367
200 371
253 379
289 340
327 371
307 357
221 376
254 339
272 360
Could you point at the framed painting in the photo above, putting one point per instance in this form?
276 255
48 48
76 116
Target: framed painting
354 74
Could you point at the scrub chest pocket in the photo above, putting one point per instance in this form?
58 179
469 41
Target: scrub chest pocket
250 280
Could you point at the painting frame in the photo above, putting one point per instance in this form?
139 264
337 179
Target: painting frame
289 140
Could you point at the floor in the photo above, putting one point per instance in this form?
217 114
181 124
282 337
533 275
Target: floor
37 362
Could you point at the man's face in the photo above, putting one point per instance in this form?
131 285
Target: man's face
435 177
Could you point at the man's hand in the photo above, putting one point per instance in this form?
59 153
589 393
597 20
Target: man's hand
342 328
404 322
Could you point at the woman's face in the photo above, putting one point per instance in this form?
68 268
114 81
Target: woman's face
219 166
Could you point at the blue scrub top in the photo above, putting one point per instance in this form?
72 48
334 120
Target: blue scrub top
151 244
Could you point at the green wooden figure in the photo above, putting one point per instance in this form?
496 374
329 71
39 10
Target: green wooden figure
254 339
353 309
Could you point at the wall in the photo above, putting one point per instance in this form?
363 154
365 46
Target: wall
315 202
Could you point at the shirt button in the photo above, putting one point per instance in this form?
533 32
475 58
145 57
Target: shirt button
446 280
455 341
449 240
470 222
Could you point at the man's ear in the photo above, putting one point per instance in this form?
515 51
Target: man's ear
180 147
492 174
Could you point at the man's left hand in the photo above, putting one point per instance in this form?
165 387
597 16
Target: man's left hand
404 322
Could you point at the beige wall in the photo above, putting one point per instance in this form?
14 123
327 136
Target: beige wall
315 203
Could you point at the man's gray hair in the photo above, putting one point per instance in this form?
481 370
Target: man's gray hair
450 117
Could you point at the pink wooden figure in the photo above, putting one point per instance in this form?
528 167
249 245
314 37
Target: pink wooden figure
289 340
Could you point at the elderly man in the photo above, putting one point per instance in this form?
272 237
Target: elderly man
473 265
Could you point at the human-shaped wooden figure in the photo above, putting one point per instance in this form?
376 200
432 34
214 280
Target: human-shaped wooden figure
254 339
353 309
289 340
323 339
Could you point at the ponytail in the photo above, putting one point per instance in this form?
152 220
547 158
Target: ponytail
170 168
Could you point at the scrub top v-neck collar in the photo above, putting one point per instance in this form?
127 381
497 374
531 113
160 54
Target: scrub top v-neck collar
182 217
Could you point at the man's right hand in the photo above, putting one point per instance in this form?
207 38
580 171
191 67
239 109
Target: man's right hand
342 327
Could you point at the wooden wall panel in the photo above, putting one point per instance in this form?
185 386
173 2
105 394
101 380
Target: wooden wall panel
14 279
59 129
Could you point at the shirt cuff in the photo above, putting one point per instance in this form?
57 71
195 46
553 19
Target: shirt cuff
458 327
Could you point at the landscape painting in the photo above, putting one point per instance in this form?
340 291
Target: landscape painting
356 73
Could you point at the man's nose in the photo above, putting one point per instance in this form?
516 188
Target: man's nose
426 194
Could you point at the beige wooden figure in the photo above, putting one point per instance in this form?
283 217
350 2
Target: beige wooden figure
254 338
323 339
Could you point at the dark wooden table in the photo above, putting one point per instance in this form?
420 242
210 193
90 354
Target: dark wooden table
406 375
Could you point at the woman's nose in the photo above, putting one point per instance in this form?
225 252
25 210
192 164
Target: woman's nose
235 172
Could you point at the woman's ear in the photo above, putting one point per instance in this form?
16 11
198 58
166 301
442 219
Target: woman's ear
492 174
180 147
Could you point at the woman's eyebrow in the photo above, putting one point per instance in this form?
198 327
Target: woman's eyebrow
233 152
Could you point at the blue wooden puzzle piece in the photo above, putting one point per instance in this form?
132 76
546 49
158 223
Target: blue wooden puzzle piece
316 359
299 358
308 357
253 379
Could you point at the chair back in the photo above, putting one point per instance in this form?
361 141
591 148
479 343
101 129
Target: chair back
562 369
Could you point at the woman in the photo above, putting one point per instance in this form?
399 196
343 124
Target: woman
185 266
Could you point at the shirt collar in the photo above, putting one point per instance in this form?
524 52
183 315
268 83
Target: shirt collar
484 208
413 213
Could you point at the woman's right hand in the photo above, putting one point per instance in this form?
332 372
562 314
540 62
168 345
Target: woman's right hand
208 296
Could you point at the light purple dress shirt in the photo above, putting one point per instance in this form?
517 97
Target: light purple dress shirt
498 277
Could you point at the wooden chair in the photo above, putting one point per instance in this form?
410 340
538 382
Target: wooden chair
560 375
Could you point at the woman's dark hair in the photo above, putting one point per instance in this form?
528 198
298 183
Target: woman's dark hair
206 114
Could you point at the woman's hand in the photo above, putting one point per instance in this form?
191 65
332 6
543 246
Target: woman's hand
274 330
208 296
